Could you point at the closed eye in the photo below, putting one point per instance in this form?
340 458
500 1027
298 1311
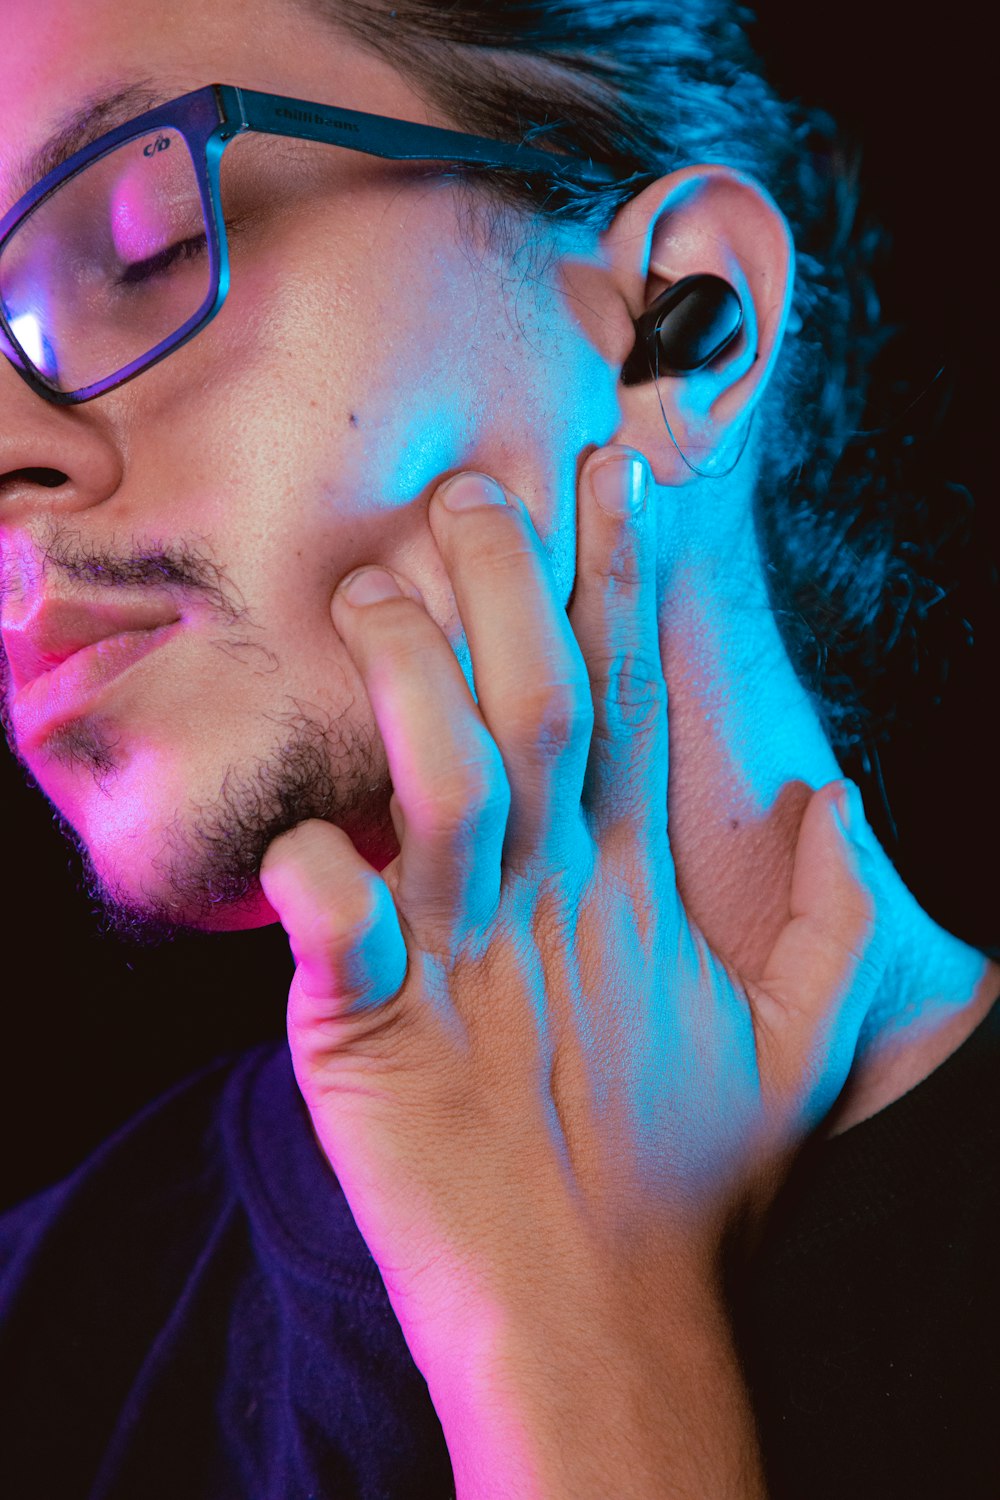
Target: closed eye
157 265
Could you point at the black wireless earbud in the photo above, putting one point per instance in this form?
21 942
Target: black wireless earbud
688 326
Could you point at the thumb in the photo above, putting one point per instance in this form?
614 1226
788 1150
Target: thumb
342 926
825 968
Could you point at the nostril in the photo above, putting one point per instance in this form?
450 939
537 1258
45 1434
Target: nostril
51 478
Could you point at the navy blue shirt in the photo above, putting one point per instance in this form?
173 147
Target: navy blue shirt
193 1314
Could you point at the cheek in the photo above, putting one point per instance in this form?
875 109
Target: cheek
404 399
353 393
328 406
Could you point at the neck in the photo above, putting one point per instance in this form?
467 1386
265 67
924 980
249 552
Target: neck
747 749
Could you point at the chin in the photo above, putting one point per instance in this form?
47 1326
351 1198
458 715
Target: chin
160 859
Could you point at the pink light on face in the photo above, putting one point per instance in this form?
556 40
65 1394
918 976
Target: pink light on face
61 694
138 222
152 197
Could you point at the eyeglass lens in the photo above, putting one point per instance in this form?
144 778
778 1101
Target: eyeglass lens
110 265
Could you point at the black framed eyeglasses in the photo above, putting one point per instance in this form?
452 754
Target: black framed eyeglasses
103 263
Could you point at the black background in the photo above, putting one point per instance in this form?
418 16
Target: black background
92 1029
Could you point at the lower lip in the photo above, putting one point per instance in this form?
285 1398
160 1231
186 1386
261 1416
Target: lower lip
64 693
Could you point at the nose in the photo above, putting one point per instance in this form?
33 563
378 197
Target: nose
51 479
54 460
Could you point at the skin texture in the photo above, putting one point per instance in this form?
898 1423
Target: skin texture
306 432
303 433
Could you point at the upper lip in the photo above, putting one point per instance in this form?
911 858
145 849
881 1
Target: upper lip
55 628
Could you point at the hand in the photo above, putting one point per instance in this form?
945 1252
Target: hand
532 1078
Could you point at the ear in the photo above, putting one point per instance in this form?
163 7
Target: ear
702 218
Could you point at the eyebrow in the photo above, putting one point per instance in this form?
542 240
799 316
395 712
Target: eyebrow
85 123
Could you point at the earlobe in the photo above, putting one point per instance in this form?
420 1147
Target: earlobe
713 238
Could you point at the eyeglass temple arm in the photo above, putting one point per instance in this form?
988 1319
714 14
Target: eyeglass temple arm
397 140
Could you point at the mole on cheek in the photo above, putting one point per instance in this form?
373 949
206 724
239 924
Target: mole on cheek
352 419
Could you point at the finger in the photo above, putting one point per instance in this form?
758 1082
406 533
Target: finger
451 796
614 617
825 968
531 680
341 923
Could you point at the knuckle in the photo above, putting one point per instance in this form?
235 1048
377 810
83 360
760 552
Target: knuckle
407 639
341 926
633 687
499 549
554 718
464 798
624 567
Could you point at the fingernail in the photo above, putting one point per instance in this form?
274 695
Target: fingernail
620 484
468 491
849 807
368 586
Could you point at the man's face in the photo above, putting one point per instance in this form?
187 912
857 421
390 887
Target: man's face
372 343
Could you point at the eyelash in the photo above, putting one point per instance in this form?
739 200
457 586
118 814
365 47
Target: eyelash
144 270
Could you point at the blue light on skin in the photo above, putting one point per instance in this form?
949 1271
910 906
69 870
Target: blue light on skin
242 445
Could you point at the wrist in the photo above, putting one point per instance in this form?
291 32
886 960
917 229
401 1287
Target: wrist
543 1407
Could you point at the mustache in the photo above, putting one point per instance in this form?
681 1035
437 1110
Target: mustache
185 566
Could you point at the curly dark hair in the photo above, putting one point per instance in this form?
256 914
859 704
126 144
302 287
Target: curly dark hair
648 86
